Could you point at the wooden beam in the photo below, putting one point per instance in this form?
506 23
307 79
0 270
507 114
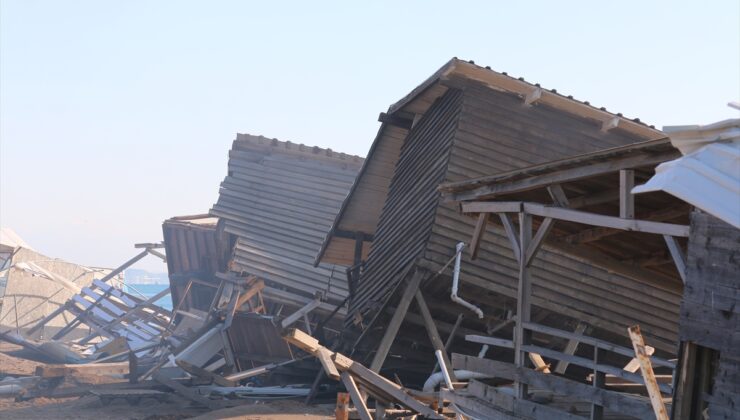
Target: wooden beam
558 195
598 381
478 232
581 217
614 401
538 239
324 356
392 329
593 219
372 382
677 255
594 234
186 392
354 393
601 197
656 399
539 363
490 341
523 300
494 187
511 234
295 316
634 364
491 207
432 332
98 369
626 199
571 348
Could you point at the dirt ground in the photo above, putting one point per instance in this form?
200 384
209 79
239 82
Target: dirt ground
89 407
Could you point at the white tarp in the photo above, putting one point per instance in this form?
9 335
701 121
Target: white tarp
708 175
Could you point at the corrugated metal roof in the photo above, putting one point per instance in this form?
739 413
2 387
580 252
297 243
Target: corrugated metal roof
708 176
279 199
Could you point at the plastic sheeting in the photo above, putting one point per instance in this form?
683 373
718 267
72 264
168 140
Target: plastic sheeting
708 175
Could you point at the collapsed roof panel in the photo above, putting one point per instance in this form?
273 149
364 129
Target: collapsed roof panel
278 200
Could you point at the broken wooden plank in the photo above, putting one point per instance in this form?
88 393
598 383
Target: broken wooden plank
478 232
324 356
392 328
432 332
378 386
186 392
570 348
656 399
99 369
354 393
202 373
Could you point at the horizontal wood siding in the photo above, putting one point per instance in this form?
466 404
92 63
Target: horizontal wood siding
280 204
497 133
409 208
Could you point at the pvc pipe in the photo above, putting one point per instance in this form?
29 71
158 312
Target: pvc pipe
456 280
439 377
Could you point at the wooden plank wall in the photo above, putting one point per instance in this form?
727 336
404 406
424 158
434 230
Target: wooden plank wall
711 305
279 199
410 205
495 134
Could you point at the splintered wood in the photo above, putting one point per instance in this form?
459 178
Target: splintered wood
356 376
656 399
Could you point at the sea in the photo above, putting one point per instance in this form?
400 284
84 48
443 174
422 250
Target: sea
149 290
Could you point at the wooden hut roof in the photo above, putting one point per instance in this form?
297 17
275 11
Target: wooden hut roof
278 199
591 184
360 211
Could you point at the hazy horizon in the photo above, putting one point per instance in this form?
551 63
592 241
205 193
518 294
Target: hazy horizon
115 116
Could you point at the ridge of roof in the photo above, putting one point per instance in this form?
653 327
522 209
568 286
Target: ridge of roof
273 144
506 82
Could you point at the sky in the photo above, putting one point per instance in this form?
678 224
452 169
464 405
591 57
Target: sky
115 116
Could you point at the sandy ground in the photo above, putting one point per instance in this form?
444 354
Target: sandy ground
89 407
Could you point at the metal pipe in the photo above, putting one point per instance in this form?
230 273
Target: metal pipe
456 280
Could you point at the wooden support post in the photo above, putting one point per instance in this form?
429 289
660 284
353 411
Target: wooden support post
538 239
558 195
651 383
626 199
524 294
396 321
570 348
341 412
599 380
357 399
511 234
480 230
677 255
433 333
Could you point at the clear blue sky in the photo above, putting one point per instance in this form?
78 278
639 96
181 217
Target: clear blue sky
117 115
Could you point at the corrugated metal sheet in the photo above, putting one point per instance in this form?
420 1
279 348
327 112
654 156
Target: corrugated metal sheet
279 199
708 176
194 252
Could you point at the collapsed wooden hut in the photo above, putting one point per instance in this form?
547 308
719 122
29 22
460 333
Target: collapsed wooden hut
276 203
464 122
